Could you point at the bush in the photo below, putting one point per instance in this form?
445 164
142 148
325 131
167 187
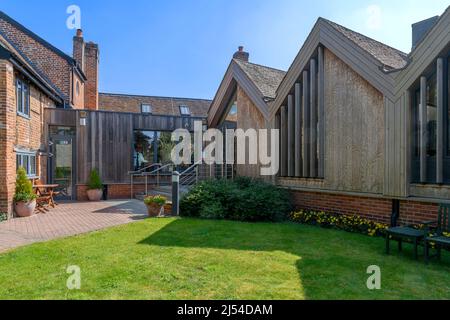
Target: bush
158 200
341 222
244 199
3 216
24 188
95 182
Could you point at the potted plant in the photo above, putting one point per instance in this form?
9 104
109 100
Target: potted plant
155 206
24 198
95 186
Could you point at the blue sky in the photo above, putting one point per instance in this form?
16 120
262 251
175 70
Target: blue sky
182 48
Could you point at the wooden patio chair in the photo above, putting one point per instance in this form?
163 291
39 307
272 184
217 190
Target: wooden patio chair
405 233
438 238
42 203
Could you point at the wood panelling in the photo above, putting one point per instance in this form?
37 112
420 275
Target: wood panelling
106 142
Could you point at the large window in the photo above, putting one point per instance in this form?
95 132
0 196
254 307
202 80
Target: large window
151 147
27 161
431 143
23 98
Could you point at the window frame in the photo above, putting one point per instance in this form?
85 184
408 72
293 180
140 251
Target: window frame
185 107
23 98
31 162
146 105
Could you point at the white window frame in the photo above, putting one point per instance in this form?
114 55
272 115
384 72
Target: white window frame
30 159
146 106
185 108
23 98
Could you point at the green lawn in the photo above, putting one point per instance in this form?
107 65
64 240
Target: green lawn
195 259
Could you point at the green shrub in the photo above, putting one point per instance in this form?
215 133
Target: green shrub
3 216
244 199
158 200
95 182
340 221
24 188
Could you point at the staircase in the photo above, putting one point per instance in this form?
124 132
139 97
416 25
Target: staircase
159 181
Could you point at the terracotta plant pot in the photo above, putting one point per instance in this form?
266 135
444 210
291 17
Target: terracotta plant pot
155 210
95 195
25 209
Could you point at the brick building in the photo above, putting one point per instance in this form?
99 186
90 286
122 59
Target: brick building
37 80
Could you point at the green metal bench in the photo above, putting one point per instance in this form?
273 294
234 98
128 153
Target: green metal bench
401 234
439 240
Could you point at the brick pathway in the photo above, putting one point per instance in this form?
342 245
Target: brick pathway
69 219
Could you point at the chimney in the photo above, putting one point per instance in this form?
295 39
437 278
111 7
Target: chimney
78 48
91 62
420 29
241 54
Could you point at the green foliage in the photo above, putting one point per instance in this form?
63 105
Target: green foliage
341 222
158 200
24 188
95 182
244 199
3 216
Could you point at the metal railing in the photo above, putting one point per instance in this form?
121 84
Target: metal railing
189 177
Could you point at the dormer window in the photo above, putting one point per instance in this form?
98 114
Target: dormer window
185 111
146 108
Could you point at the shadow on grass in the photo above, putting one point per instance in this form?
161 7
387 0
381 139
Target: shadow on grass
329 262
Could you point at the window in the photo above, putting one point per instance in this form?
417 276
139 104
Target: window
185 111
146 108
23 98
27 161
151 147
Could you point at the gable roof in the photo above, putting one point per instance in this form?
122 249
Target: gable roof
391 58
166 106
43 42
258 82
24 66
265 78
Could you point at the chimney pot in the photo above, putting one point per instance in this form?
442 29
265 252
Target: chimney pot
241 54
79 33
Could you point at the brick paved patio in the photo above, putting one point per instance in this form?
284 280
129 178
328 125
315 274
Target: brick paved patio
69 219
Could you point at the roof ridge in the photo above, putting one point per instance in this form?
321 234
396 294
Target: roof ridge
259 65
363 35
148 96
37 37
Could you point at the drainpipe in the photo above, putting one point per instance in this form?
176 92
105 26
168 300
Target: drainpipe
395 213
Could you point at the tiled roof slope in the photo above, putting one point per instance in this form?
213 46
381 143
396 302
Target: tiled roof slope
165 106
391 58
266 79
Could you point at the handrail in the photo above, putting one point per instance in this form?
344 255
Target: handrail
143 169
191 167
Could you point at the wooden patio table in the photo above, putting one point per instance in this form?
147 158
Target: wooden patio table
47 191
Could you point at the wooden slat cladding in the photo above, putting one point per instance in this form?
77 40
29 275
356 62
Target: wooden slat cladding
106 142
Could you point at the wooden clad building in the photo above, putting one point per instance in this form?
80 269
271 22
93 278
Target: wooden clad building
364 128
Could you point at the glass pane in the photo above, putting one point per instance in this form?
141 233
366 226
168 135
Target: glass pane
26 100
63 166
62 131
432 116
18 161
19 96
33 165
25 163
416 124
448 107
144 149
165 147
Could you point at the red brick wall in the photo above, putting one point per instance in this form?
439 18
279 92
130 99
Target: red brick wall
17 132
91 63
115 191
376 209
7 136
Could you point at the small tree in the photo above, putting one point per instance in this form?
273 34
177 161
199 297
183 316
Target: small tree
24 188
95 182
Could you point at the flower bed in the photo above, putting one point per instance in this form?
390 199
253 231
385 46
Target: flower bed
341 222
